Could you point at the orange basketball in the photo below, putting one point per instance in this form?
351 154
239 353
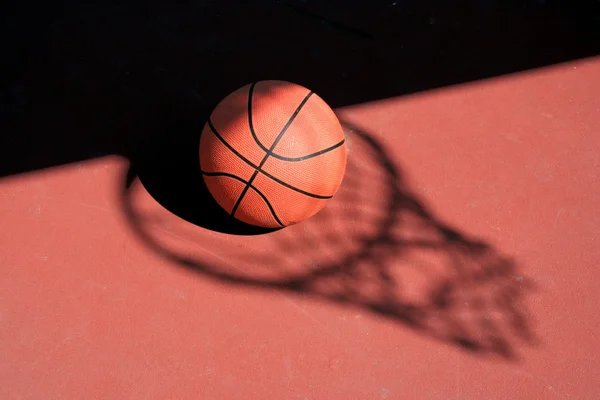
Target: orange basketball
272 153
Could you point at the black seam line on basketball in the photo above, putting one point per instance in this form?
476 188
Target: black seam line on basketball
237 178
222 139
250 163
252 131
277 156
271 149
316 196
239 200
306 157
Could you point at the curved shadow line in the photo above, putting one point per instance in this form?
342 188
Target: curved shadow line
183 261
383 243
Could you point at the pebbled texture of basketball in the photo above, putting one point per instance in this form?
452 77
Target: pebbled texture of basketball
272 153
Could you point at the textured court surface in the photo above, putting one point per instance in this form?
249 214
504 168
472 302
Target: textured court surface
461 265
459 260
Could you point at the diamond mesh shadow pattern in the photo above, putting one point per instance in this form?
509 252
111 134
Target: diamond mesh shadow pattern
377 247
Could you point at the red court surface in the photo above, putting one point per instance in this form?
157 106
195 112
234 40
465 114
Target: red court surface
458 261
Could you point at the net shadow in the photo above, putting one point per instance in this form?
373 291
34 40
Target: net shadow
377 247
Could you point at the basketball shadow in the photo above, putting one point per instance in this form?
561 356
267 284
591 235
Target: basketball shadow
377 247
166 160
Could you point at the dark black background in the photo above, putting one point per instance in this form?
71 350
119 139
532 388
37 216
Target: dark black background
83 79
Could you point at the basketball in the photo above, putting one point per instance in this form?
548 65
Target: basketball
272 153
